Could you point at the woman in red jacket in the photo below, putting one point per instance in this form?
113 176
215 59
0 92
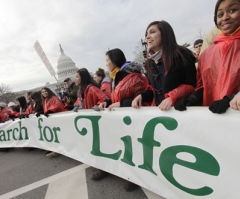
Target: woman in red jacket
30 108
19 110
51 103
89 93
218 72
4 112
103 80
4 116
127 81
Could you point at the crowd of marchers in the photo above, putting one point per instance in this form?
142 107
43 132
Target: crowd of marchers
173 76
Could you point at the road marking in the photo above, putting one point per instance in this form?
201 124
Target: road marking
70 187
42 182
69 184
151 195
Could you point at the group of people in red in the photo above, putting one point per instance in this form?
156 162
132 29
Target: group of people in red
171 78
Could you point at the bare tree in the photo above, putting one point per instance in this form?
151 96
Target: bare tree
201 34
6 94
186 45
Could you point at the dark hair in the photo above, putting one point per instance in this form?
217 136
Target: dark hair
22 102
215 11
86 79
50 93
36 96
100 73
198 41
117 57
16 108
170 48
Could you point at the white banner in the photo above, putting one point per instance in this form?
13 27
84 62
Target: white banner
44 58
178 155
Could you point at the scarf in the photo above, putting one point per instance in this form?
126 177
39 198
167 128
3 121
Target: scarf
222 37
114 72
155 56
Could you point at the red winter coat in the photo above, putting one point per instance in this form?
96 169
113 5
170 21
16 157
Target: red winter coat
14 114
29 110
93 96
53 104
219 68
4 114
130 86
106 88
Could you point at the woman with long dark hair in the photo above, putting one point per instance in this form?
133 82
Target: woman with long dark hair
51 103
127 81
37 103
170 67
89 93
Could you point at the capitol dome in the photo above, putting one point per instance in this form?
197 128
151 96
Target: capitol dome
66 68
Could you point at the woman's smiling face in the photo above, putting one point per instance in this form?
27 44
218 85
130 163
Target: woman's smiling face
228 16
110 66
44 93
153 38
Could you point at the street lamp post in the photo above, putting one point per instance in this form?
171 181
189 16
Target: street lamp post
145 49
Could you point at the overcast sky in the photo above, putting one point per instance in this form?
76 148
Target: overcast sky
86 29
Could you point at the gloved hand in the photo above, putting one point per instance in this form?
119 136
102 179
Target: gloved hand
181 105
69 107
38 114
75 109
26 116
47 113
12 117
192 100
96 108
21 116
220 106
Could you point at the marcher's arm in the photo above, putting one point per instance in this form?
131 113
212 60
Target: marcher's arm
235 102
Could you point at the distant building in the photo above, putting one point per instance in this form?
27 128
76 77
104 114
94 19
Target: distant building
65 68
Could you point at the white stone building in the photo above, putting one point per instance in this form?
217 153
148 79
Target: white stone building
66 68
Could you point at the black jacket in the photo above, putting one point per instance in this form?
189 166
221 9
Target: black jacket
183 73
71 93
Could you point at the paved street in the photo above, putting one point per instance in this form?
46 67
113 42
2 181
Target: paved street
28 174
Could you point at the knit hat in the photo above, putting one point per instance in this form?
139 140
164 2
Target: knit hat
11 104
2 104
133 67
